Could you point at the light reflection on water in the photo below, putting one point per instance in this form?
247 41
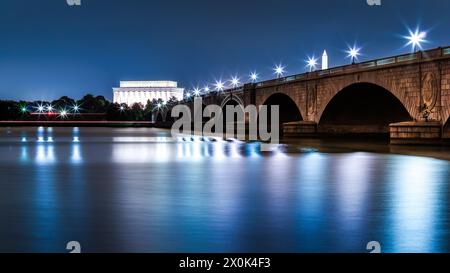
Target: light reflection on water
415 205
140 190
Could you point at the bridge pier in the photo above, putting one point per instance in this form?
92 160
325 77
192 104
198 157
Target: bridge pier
402 133
446 135
421 132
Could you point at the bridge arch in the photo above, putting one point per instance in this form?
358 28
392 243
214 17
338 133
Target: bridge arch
230 102
234 100
289 110
362 108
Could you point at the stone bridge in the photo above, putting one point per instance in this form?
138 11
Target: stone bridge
407 95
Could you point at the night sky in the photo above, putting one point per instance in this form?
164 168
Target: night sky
49 49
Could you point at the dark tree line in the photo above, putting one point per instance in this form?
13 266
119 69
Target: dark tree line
68 108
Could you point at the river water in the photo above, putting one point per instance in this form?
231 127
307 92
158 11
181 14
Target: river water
139 190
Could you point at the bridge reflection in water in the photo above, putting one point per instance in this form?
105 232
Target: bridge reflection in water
138 190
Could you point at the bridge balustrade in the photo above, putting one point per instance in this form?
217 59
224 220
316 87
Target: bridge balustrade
300 76
407 58
430 54
336 70
291 78
446 51
324 72
366 65
386 61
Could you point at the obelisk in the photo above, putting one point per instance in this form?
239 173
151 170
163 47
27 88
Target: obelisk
324 60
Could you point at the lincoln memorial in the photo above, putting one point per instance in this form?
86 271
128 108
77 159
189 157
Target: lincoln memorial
131 92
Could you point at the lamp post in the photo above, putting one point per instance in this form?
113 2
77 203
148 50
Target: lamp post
312 63
279 70
353 53
254 77
219 85
415 39
196 91
235 82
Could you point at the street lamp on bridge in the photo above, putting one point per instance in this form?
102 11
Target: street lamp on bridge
254 77
279 70
415 39
353 53
235 82
311 63
219 85
196 91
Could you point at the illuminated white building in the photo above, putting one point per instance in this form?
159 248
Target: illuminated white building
131 92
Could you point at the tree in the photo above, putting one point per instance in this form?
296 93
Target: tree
137 111
148 110
9 110
91 104
63 103
172 101
87 103
113 112
101 103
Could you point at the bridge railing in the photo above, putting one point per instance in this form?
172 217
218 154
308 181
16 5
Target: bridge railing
411 57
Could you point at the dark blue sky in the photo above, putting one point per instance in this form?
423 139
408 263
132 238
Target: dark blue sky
48 49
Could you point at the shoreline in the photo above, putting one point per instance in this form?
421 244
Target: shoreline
132 124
